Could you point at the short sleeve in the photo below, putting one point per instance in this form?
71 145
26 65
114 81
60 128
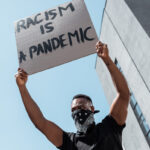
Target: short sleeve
111 123
67 141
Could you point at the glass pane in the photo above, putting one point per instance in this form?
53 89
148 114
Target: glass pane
138 111
116 62
118 66
148 138
141 119
145 127
132 101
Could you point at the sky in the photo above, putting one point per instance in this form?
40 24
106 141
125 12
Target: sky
51 89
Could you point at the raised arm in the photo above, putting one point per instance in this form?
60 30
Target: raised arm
119 106
48 128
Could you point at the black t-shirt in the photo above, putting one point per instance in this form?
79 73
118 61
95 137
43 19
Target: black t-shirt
106 135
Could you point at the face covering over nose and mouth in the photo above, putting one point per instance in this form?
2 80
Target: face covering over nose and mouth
83 119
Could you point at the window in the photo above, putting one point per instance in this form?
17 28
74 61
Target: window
141 119
148 138
133 101
145 127
137 111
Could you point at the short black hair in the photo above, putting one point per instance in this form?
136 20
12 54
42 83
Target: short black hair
82 96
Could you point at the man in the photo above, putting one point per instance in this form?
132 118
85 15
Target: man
90 136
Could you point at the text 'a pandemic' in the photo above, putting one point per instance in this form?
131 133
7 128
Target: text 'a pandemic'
78 36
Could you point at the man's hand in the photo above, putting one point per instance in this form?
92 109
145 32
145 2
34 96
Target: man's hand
21 77
102 50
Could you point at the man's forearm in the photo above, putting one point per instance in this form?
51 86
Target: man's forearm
117 77
31 107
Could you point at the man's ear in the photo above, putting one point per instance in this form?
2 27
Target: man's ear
92 108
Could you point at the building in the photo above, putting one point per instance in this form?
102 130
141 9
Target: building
126 30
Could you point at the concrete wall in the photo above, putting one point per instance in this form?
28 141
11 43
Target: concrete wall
133 36
129 43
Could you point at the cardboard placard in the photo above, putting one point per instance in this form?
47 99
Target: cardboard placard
54 37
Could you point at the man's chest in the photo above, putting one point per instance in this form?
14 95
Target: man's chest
97 141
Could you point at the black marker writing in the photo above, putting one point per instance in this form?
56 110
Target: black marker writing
25 24
46 28
79 36
22 57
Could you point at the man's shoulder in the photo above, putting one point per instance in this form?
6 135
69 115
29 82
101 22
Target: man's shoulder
104 120
110 123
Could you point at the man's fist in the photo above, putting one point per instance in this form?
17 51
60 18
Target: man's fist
21 77
102 50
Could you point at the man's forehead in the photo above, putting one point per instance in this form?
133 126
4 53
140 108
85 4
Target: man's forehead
79 101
